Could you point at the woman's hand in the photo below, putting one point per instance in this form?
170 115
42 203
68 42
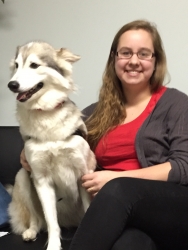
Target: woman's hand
95 181
24 162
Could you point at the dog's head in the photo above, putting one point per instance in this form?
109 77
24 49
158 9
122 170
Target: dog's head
41 75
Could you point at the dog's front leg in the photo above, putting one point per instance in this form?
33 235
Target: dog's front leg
47 197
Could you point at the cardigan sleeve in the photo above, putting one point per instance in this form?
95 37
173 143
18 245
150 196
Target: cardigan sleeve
178 141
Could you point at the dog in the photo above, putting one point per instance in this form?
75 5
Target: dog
53 131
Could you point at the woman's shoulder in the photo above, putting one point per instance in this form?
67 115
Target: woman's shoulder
174 96
172 100
172 92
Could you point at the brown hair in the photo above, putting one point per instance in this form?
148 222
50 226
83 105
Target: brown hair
110 111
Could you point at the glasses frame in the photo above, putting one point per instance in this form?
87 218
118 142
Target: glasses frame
132 53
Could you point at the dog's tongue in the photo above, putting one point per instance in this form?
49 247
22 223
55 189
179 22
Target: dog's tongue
22 96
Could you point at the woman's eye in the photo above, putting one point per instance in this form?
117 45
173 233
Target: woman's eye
144 53
34 65
16 65
126 53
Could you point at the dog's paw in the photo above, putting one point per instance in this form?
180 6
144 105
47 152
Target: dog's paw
54 245
52 248
29 234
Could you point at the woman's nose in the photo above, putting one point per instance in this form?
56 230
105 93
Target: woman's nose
134 59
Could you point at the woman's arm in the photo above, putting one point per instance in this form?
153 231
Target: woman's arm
157 172
24 162
164 136
95 181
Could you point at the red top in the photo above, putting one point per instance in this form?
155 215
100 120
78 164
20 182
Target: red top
116 150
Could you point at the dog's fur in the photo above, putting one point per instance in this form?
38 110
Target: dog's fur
52 195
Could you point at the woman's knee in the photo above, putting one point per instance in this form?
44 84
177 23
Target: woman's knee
134 239
113 186
122 187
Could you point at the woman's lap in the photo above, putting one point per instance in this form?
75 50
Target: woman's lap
159 209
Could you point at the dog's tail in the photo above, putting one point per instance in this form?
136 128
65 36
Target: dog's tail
9 188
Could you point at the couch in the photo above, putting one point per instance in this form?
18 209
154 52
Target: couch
11 146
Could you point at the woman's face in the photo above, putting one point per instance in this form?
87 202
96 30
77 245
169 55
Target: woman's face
134 71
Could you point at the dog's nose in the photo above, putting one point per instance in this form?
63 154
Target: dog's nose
13 85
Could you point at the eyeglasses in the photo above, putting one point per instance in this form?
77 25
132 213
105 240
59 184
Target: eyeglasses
143 54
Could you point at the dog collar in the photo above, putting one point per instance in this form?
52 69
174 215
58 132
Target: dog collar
59 105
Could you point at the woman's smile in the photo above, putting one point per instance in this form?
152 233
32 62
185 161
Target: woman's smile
133 72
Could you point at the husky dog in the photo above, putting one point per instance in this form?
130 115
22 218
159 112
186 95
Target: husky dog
51 195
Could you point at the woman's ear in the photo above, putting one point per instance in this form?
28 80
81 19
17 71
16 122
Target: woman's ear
112 54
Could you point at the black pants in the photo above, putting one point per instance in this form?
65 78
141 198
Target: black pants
135 214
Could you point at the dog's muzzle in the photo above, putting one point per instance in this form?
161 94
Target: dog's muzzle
24 96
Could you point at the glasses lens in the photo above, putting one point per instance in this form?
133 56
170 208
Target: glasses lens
124 53
145 54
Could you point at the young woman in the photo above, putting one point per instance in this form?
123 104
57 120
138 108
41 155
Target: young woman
139 133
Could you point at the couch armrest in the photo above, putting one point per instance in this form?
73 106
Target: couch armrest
11 146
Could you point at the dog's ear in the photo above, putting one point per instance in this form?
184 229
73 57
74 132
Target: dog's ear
12 62
67 55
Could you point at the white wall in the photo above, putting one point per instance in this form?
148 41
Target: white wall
87 28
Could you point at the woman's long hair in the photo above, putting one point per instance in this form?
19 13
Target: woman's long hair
110 110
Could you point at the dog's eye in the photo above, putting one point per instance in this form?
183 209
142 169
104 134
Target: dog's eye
16 65
34 65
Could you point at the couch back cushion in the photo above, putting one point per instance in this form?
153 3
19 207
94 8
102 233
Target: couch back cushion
10 149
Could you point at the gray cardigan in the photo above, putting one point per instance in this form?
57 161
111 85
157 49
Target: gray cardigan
163 137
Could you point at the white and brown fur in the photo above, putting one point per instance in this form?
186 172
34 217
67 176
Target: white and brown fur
51 195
